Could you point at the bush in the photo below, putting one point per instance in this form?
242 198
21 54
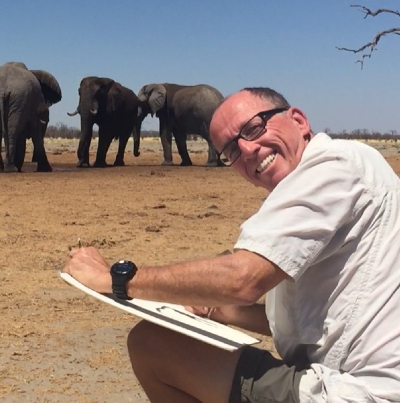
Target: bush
61 130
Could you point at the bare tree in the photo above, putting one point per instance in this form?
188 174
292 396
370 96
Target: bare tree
364 133
367 49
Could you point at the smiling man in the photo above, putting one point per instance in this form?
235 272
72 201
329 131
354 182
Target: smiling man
322 248
288 135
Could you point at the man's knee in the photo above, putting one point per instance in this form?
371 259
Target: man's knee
140 345
140 338
150 341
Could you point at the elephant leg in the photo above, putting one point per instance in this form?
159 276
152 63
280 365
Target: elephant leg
44 121
11 142
105 139
180 140
34 156
166 142
43 164
119 158
214 159
20 153
1 158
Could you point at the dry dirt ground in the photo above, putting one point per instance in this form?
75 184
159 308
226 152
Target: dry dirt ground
59 345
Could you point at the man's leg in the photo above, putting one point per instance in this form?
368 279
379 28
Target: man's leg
175 368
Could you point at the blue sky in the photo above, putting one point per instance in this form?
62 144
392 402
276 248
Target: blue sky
289 45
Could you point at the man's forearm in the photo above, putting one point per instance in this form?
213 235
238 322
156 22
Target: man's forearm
252 317
237 279
190 283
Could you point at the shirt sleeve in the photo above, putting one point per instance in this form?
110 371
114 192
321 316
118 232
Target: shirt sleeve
302 214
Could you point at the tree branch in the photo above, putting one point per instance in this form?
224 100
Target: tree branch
372 46
369 12
374 42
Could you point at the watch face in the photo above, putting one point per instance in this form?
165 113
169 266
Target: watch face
123 267
121 272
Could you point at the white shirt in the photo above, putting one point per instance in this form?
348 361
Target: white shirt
333 225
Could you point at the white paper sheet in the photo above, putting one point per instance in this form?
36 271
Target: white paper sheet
174 317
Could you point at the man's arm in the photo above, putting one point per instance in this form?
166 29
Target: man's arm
237 279
251 317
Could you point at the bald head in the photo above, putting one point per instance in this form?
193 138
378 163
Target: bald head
262 97
281 134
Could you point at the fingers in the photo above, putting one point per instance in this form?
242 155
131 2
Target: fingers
198 310
74 251
66 269
89 250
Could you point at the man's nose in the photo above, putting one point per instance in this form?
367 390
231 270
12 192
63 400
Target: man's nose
248 148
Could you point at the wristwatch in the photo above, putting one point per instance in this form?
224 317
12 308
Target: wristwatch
121 272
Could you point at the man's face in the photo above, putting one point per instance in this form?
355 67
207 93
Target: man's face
275 153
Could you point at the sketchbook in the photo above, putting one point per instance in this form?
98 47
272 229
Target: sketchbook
174 317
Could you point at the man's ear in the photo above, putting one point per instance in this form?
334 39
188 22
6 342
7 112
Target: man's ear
301 121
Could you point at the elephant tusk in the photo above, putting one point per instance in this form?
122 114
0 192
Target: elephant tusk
94 112
73 113
43 122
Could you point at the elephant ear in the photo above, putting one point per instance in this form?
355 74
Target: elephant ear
114 98
157 98
142 95
49 85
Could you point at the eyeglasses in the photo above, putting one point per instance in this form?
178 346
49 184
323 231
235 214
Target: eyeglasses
250 131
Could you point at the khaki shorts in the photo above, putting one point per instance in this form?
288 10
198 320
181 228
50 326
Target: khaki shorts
260 377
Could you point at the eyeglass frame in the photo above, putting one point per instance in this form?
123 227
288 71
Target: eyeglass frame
270 113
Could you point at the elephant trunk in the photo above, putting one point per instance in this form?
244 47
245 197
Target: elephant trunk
85 139
137 129
136 138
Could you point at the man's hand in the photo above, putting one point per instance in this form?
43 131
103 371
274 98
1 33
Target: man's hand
223 314
250 317
199 310
90 268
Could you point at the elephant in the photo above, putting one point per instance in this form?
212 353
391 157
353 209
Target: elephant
44 122
181 110
25 97
114 108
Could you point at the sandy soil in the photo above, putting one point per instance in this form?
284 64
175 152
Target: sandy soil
59 345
